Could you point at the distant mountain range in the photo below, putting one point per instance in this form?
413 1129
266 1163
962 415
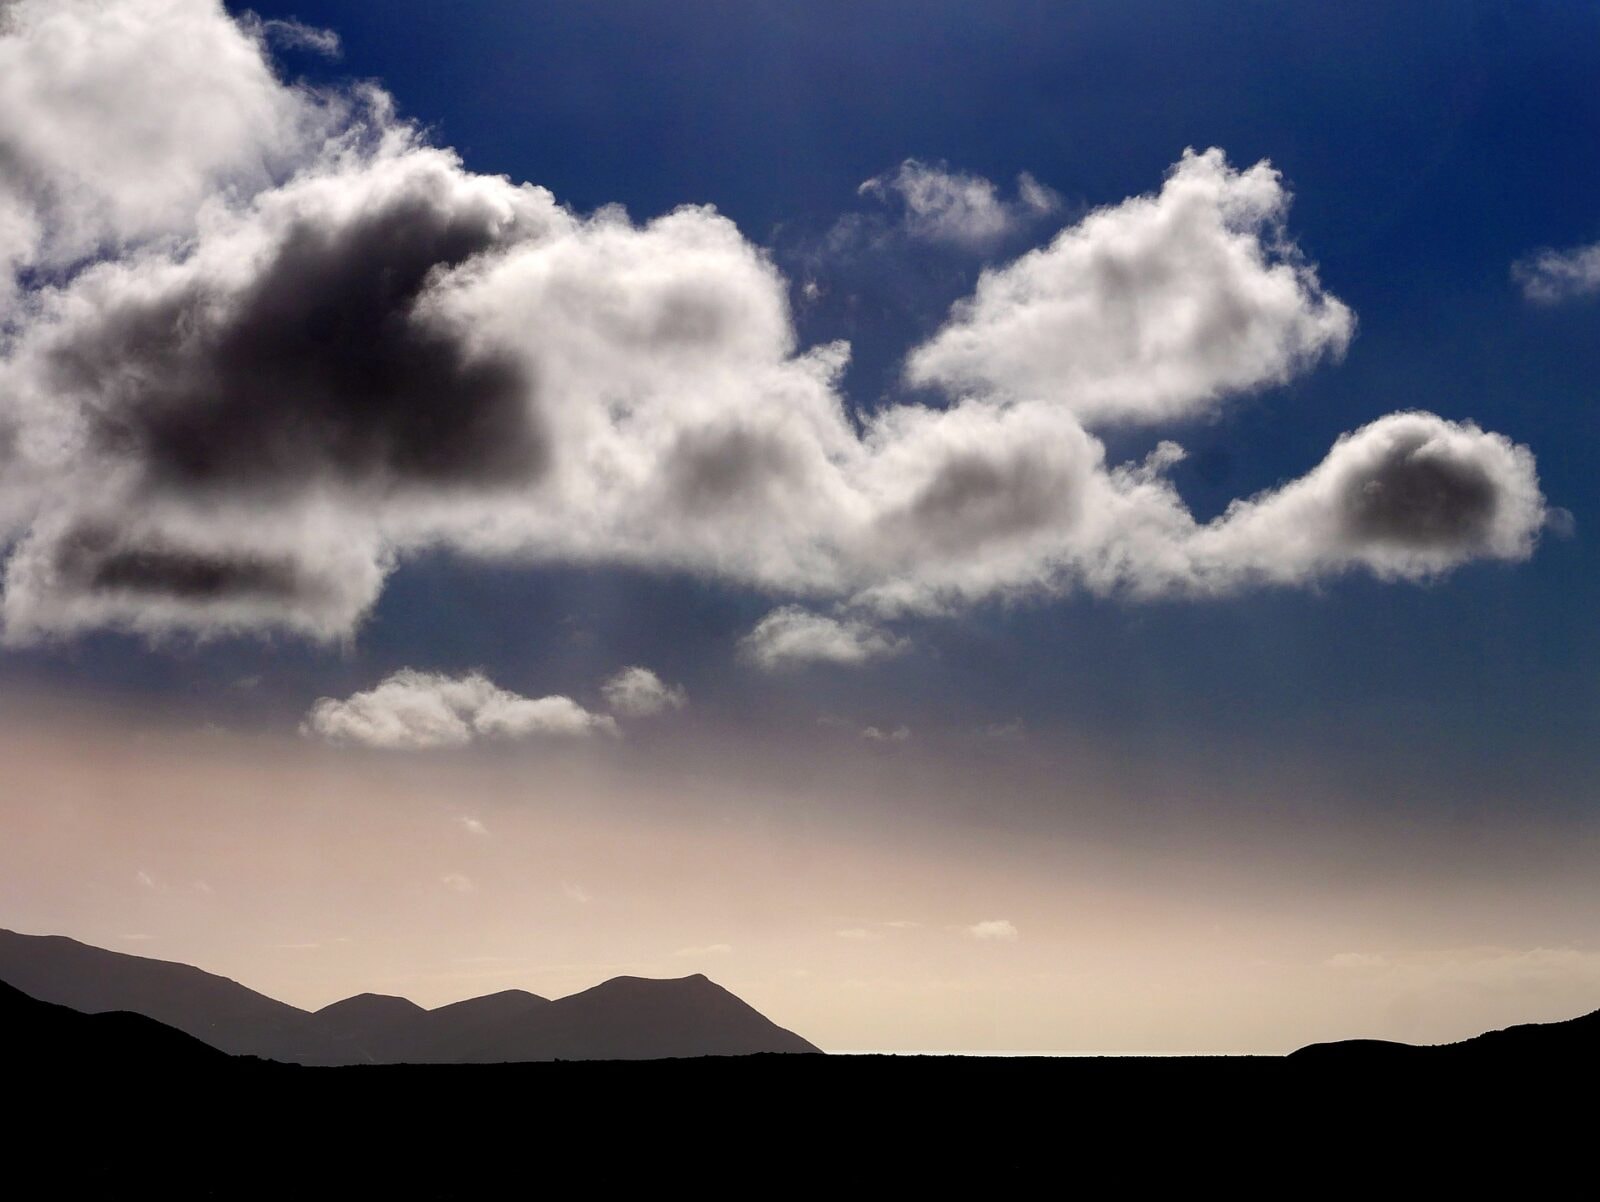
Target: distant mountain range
626 1018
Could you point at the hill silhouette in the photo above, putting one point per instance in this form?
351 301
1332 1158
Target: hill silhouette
1528 1045
627 1018
35 1033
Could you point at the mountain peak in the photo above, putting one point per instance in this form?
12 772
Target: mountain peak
625 1018
368 1004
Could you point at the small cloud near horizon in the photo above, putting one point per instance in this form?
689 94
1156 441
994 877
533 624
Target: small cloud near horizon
713 949
998 930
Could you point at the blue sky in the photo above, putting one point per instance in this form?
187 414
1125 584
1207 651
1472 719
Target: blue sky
1427 148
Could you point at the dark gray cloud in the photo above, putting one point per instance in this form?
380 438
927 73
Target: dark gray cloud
709 470
1416 496
974 499
99 559
321 367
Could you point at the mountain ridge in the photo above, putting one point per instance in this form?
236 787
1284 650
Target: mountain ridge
622 1018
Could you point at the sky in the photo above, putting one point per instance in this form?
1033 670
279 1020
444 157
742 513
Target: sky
1056 527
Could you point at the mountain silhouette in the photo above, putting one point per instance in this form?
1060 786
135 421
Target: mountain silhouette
1528 1045
371 1028
636 1018
221 1012
627 1018
35 1033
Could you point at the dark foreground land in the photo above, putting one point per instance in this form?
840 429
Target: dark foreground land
115 1105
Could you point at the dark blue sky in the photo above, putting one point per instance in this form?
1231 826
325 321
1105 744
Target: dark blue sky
1428 146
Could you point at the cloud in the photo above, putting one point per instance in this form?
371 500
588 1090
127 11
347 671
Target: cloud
1014 731
295 35
792 636
260 344
995 929
874 734
713 949
118 123
1409 496
858 934
413 710
1478 971
940 205
458 883
472 825
1552 276
1149 310
639 693
577 893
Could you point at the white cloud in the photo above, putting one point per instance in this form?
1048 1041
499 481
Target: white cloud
118 122
713 949
414 710
858 934
296 35
1149 310
1552 276
995 929
874 734
791 636
639 693
1409 496
472 825
285 343
577 893
458 883
948 206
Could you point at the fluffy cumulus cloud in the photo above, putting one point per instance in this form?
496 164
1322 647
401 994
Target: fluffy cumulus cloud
1409 496
1552 276
639 693
940 205
258 344
419 710
1148 310
792 636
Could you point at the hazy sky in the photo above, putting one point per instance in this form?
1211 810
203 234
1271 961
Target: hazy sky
1056 527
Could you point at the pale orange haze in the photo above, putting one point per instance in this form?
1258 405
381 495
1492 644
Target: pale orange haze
895 901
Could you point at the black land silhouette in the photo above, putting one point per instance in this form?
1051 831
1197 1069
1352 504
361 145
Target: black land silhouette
118 1104
626 1018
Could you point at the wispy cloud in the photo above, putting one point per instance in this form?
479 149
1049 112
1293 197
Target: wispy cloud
710 949
1551 277
941 205
998 930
